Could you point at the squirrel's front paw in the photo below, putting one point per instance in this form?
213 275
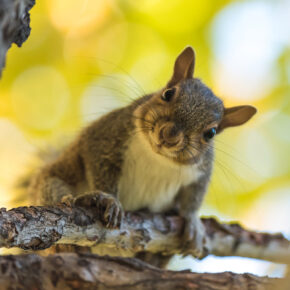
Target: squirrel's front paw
109 208
194 238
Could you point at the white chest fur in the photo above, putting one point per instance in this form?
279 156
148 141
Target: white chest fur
149 180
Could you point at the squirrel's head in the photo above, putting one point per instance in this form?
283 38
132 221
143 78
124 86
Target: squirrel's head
181 120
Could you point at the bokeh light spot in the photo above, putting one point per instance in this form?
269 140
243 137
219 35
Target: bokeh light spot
247 38
81 16
15 153
106 94
257 151
270 212
175 16
98 51
40 97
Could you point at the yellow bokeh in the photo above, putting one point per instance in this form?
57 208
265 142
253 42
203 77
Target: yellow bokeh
86 57
35 107
78 16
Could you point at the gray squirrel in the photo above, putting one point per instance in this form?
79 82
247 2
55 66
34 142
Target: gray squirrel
155 154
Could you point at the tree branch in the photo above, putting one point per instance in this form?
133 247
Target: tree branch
40 227
14 24
88 271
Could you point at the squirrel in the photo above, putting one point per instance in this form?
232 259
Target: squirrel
155 153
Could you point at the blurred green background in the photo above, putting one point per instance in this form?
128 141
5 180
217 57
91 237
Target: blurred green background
86 57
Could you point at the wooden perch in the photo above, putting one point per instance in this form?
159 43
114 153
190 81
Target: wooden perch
41 227
14 24
88 271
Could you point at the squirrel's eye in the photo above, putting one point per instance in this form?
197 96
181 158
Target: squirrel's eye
209 134
168 94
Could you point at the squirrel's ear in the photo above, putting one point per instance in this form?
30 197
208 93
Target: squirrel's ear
236 116
183 67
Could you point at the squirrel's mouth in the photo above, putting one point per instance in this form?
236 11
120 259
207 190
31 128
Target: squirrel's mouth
165 137
166 134
179 148
185 155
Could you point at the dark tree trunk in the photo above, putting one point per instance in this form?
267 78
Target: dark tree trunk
14 25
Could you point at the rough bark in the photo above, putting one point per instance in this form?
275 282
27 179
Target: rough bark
88 271
14 24
40 227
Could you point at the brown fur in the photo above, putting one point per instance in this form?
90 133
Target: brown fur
174 128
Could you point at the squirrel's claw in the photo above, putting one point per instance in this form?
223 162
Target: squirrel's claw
112 215
67 200
109 208
194 240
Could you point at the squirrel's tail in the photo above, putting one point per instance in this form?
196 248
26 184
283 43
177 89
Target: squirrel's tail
21 185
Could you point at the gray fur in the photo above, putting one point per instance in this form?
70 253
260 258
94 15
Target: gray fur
89 170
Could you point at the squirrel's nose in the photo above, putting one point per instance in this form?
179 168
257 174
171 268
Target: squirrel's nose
169 134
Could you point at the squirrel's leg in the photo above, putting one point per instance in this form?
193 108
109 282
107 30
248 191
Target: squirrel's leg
189 200
49 190
57 181
100 195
